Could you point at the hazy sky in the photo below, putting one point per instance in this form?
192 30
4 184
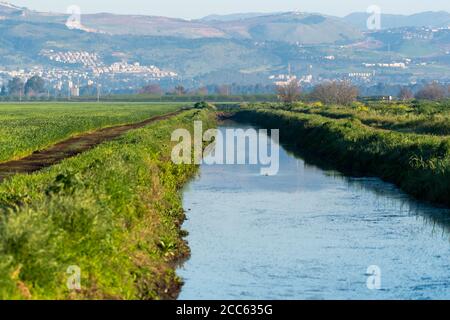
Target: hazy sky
200 8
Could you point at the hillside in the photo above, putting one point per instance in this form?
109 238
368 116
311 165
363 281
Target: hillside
150 26
234 16
424 19
290 27
241 48
21 42
286 27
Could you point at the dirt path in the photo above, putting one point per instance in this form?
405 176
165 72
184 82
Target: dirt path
70 147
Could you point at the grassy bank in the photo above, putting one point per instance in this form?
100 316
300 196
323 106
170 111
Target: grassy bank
421 117
418 163
115 212
25 128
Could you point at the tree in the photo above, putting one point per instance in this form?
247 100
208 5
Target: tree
224 90
15 87
335 92
180 90
152 89
432 91
34 86
289 92
3 91
405 94
203 91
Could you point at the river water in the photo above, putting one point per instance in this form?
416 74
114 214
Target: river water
309 233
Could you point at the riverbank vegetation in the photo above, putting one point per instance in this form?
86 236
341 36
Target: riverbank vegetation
114 212
407 143
25 128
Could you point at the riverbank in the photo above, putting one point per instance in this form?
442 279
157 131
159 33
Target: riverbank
417 163
113 214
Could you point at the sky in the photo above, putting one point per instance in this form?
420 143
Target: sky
191 9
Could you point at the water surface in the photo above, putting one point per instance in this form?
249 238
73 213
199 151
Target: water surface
308 233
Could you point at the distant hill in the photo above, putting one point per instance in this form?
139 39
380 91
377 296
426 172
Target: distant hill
234 16
288 27
291 27
285 27
388 21
150 26
21 43
223 49
10 10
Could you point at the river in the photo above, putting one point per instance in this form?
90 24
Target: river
310 233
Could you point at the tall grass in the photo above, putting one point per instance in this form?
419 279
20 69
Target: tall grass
421 117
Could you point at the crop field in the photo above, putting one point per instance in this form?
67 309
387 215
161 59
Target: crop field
405 143
25 128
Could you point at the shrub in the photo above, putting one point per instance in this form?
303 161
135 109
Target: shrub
335 92
433 91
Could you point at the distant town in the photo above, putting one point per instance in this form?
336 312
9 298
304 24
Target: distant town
74 71
378 62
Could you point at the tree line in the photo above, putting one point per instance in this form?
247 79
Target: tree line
330 92
344 93
432 91
33 86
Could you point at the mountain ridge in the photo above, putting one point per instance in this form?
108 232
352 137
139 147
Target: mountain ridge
435 19
289 27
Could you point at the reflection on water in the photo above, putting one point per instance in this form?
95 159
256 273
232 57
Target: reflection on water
307 233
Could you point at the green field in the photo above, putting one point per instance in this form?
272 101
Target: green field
25 128
408 144
114 211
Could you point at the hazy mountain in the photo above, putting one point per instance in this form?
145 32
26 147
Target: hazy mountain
118 24
150 26
234 16
284 27
10 10
291 27
424 19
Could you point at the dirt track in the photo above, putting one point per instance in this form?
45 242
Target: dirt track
70 147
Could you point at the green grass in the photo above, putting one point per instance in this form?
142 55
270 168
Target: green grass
114 211
418 163
421 117
25 128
